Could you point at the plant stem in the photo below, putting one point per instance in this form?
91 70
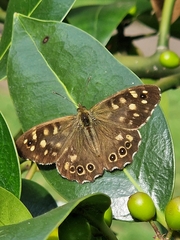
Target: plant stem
158 234
107 232
169 235
98 222
165 23
31 171
170 82
2 16
25 166
146 67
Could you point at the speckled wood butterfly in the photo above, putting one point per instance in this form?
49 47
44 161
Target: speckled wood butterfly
104 137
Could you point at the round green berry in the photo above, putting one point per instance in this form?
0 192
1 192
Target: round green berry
172 214
133 10
169 59
141 206
108 216
74 227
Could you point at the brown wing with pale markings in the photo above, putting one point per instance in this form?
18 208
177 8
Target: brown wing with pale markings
130 108
117 148
44 143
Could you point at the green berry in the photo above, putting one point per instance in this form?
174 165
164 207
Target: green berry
169 59
108 216
141 206
172 214
74 227
133 11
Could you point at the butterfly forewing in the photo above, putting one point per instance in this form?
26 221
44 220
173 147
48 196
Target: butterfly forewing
130 108
45 142
105 137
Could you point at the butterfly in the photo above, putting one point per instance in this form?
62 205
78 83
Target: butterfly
106 137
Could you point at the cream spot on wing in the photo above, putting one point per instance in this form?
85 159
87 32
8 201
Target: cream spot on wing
144 101
136 115
132 106
114 106
65 150
66 166
130 122
46 131
146 111
119 137
32 148
58 145
129 137
134 94
34 135
35 157
145 91
55 130
122 100
46 152
54 154
43 143
122 119
25 141
73 157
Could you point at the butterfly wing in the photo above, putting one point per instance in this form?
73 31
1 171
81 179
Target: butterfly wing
79 162
44 143
61 141
116 149
130 108
118 146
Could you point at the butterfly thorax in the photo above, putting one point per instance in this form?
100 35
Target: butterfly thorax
86 124
85 118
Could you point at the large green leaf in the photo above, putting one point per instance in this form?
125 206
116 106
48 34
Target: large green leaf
11 209
10 177
49 10
41 226
78 67
101 20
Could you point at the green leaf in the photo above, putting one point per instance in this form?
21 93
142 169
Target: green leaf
10 177
101 20
49 10
37 199
41 226
11 209
78 67
143 6
80 3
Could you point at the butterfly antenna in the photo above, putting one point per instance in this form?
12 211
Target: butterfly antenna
86 85
62 96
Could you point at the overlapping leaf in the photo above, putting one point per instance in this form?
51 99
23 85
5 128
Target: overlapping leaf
40 227
10 177
49 10
12 211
